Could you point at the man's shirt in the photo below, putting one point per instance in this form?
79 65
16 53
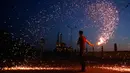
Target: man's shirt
82 43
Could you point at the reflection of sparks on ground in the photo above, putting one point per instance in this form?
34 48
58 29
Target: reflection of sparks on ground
35 68
112 68
116 68
106 16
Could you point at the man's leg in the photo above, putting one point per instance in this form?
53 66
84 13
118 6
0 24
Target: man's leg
83 63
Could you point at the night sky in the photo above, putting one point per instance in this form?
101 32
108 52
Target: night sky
34 19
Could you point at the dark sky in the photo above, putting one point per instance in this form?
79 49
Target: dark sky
33 19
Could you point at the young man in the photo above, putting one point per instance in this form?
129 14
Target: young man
82 44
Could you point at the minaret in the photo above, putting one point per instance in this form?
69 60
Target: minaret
58 40
58 37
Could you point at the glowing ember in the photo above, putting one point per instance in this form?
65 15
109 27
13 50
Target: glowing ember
101 40
104 14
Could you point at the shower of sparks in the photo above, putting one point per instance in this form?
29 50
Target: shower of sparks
105 15
60 14
39 25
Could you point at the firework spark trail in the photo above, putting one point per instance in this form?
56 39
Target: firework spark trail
105 15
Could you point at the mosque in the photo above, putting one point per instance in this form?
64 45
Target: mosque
61 46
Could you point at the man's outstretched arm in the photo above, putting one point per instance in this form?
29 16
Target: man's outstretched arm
90 44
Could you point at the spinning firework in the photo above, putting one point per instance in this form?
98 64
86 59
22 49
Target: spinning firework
67 12
105 15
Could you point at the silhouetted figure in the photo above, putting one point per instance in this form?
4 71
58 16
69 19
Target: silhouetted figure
115 47
82 44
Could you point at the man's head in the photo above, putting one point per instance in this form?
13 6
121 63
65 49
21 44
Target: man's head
80 32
